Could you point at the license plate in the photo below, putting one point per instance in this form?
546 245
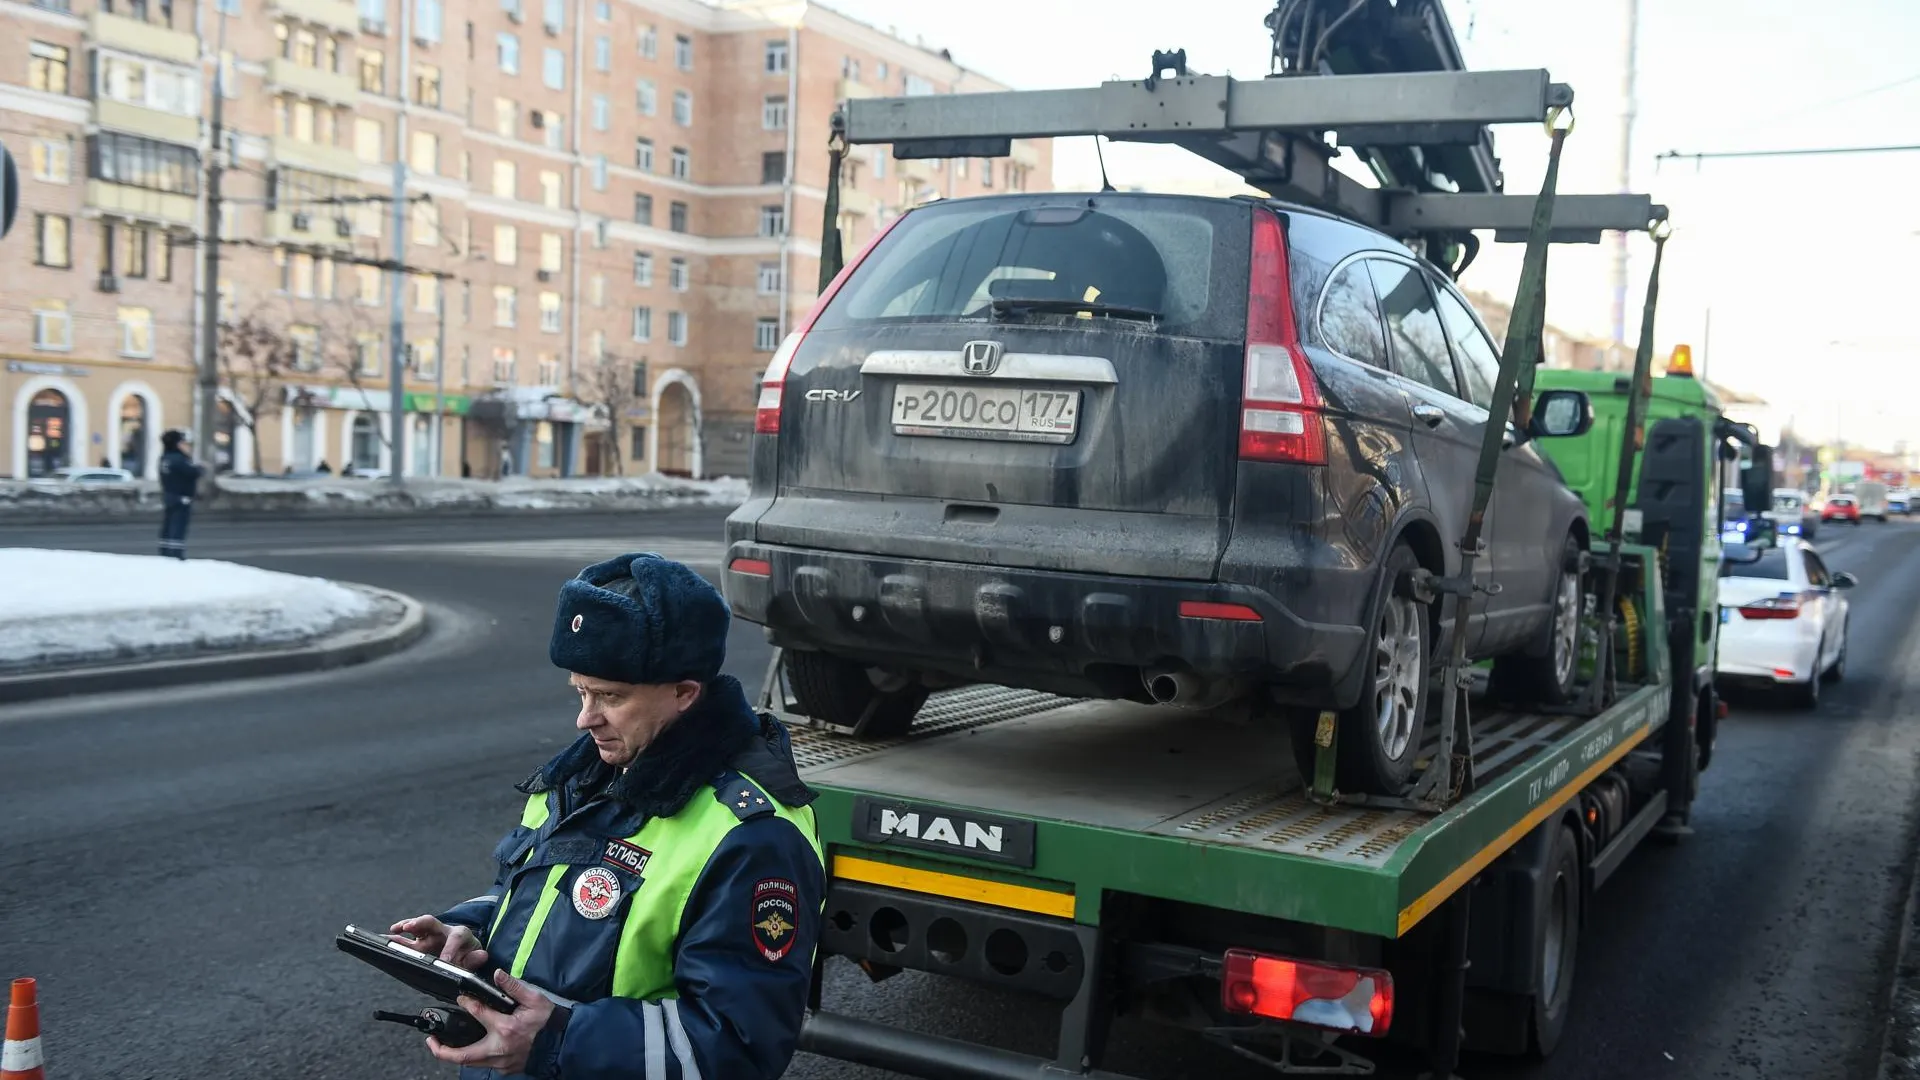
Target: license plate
961 411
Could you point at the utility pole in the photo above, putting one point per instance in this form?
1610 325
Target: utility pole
208 403
1628 110
397 319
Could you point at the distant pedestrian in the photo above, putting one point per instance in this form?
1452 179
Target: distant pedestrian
466 470
179 479
506 463
324 469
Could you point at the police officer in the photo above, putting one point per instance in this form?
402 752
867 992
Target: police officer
655 911
179 478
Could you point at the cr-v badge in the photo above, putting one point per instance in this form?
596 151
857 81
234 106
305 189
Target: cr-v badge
980 357
832 395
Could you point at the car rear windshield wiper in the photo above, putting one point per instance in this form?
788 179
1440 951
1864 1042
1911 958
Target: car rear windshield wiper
1010 305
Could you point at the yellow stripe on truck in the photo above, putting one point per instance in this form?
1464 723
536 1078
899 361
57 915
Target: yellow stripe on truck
954 886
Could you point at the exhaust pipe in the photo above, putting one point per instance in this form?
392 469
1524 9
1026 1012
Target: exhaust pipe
1186 689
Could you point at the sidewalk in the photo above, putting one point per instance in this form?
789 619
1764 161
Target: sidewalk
80 621
266 496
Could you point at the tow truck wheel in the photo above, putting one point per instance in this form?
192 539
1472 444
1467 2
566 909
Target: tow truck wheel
1558 943
838 691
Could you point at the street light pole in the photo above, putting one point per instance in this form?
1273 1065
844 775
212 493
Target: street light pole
397 319
208 397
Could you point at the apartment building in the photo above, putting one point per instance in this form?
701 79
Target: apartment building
562 210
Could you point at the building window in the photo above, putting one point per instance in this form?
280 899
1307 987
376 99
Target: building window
554 14
773 167
649 43
643 269
677 327
880 69
502 365
776 58
551 134
553 69
504 304
48 67
643 324
879 162
917 86
369 139
602 53
773 112
960 168
136 331
550 312
646 97
683 108
426 357
602 11
426 224
677 275
773 221
550 189
597 290
767 281
373 71
683 52
986 172
426 294
642 208
643 154
549 376
367 350
550 252
426 20
506 245
144 163
506 117
130 248
505 176
640 379
850 69
424 152
306 347
599 169
52 325
53 240
367 285
507 47
680 163
143 83
639 444
602 112
766 334
597 346
677 216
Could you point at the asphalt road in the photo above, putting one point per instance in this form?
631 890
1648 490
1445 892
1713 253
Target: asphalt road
173 864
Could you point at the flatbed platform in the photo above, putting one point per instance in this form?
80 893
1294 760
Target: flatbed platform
1211 811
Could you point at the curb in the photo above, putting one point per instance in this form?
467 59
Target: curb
338 650
1900 1044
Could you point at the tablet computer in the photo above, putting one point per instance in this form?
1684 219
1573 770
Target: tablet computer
428 974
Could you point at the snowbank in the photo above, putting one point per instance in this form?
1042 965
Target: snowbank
268 496
60 608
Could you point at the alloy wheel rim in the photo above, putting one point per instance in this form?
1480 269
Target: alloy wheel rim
1397 676
1566 626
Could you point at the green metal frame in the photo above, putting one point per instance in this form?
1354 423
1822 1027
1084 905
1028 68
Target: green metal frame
1438 854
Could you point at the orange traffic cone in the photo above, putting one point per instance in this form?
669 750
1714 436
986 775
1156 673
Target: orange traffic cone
20 1057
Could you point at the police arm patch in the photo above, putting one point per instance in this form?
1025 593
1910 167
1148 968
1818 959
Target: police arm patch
774 918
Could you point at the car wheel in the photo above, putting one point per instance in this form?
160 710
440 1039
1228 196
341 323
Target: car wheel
841 692
1839 669
1548 679
1807 694
1379 737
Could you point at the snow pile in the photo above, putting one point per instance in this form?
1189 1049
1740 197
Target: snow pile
60 608
265 495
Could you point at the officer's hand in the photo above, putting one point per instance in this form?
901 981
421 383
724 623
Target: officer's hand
457 945
509 1035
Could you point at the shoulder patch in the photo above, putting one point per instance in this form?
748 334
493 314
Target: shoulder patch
775 909
742 796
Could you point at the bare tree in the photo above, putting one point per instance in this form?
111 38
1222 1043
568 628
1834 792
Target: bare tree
257 357
346 325
609 386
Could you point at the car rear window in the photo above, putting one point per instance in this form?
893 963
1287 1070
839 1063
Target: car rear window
1185 258
1772 565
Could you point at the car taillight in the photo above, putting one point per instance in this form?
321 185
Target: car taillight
766 414
1280 414
1354 1000
1774 607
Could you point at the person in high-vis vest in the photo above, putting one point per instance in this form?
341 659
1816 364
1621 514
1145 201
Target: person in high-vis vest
656 909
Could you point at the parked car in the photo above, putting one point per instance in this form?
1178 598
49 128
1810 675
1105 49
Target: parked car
1165 448
1899 501
1783 619
1841 508
89 475
1792 515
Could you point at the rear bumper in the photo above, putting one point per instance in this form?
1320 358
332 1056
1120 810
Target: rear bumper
1047 630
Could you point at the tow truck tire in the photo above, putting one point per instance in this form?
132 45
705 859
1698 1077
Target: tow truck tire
1548 679
838 691
1557 942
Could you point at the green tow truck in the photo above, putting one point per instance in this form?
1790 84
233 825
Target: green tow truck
1125 862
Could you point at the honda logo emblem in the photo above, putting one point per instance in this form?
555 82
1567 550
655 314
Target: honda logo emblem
980 357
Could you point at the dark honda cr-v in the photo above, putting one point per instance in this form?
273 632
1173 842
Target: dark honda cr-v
1136 446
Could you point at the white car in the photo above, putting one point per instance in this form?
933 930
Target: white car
1783 619
71 475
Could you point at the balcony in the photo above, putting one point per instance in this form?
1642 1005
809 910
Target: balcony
140 204
855 201
321 227
284 74
340 16
329 160
152 123
143 38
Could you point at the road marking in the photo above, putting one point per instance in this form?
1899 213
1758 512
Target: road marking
582 550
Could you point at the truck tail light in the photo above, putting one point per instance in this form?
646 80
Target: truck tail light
766 414
1280 415
1350 999
1774 607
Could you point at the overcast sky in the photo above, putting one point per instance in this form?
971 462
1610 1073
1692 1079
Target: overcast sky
1810 265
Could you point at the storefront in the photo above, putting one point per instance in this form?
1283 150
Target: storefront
525 431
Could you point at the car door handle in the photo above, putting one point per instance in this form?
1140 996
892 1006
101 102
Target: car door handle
1430 415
